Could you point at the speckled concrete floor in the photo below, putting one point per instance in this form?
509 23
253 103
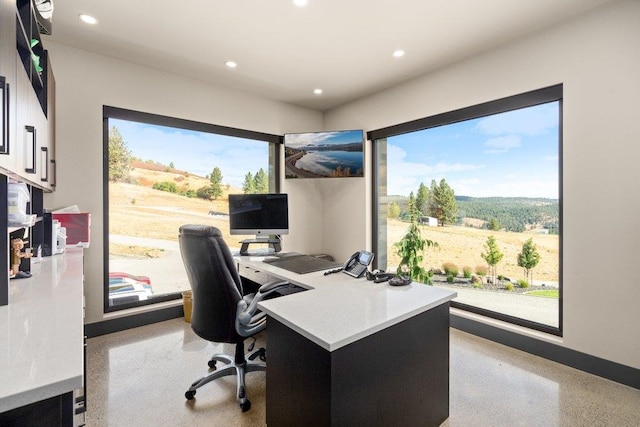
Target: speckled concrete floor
138 378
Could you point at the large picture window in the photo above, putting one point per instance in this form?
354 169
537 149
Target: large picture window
482 187
161 173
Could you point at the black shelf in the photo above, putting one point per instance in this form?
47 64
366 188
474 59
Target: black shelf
28 30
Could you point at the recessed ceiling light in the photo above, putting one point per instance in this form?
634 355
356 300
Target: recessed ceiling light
231 64
317 91
300 3
398 53
87 19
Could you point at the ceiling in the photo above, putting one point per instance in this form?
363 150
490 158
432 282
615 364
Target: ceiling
284 52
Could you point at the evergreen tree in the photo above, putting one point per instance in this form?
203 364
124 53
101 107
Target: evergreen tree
119 157
494 225
528 259
422 199
446 201
432 205
216 183
248 186
411 247
171 165
261 182
493 256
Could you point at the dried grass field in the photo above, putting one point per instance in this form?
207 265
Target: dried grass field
462 246
140 211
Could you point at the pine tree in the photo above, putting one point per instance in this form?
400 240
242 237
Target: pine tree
261 182
493 256
422 198
119 157
446 201
216 183
248 186
528 259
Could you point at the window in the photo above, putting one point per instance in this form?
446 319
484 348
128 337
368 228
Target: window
161 173
484 184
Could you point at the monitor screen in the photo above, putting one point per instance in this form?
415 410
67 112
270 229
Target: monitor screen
324 154
259 214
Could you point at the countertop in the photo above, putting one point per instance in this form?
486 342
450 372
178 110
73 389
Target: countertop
339 309
42 332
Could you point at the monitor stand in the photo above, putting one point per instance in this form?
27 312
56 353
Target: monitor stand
273 243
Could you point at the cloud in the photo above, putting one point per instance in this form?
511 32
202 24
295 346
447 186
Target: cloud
502 144
407 176
526 121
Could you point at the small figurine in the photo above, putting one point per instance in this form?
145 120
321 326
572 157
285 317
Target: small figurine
16 254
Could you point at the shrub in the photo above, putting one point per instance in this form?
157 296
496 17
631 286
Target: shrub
467 272
508 286
523 283
449 278
170 187
481 270
450 269
477 285
500 277
190 194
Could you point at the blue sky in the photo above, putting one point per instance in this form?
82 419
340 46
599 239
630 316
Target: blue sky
296 140
195 152
512 154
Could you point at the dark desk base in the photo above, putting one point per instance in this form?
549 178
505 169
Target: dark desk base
398 376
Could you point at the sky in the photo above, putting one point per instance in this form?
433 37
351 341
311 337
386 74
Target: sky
195 152
512 154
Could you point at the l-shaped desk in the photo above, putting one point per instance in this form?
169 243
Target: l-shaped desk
353 352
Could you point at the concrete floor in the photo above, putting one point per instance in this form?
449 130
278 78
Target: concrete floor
138 378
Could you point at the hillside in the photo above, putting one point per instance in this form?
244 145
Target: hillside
516 214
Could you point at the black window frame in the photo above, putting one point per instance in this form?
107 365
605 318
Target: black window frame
527 99
109 112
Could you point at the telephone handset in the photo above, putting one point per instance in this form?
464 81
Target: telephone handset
357 264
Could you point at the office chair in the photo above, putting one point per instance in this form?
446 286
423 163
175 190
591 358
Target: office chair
220 312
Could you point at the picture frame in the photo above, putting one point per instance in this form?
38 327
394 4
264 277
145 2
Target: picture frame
30 149
4 115
44 164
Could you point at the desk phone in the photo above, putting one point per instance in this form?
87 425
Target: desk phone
357 264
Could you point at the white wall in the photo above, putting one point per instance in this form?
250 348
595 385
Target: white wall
86 81
597 58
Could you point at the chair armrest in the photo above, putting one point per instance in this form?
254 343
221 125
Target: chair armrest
247 322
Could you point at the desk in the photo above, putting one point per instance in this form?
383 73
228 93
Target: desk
41 338
353 352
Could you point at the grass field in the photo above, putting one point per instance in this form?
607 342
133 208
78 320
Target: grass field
463 246
140 211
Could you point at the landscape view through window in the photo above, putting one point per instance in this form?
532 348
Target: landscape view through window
487 190
159 179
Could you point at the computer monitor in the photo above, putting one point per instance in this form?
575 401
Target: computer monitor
258 214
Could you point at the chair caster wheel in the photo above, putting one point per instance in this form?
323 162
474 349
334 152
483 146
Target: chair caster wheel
189 395
245 406
212 364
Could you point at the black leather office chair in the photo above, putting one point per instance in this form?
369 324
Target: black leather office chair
220 312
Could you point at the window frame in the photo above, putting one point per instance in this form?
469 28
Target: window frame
109 112
523 100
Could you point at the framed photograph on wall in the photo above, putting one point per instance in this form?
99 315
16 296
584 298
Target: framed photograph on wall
30 149
332 154
4 115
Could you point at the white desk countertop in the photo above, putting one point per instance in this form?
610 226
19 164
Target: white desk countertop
338 309
41 332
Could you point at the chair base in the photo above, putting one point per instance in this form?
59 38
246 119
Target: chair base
232 367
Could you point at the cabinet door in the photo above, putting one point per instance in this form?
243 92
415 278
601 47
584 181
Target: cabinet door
8 79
